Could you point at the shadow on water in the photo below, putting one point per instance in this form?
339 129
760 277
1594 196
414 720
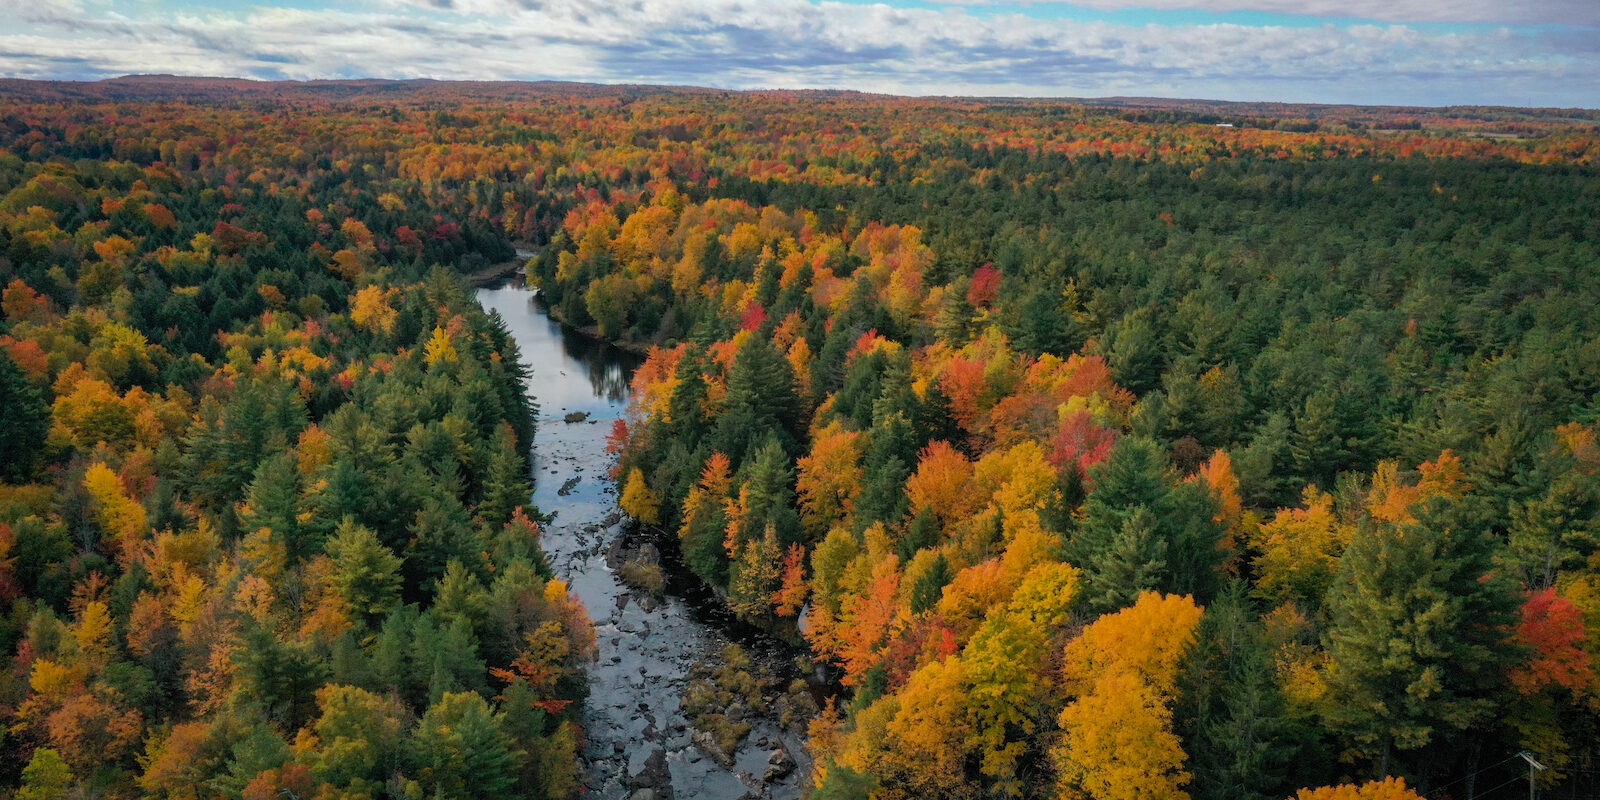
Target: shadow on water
610 368
554 349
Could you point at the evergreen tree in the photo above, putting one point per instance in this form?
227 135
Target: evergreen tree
1239 742
442 533
390 654
923 532
281 676
272 502
1418 641
505 486
258 750
459 750
702 540
366 574
761 401
1133 562
25 419
887 464
1142 530
444 654
953 324
685 421
1044 323
929 588
768 494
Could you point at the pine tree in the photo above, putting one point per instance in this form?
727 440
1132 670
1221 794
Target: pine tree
281 676
685 414
1133 562
505 486
257 750
442 533
1173 545
1419 635
1045 323
929 587
953 323
761 401
272 502
366 574
887 465
390 654
705 522
1239 742
459 750
766 499
25 419
450 649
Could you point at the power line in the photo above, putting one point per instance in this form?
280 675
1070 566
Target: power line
1517 779
1442 786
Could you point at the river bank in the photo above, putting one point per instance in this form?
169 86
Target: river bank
495 274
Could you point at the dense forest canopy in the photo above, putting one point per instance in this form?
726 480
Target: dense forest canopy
1123 449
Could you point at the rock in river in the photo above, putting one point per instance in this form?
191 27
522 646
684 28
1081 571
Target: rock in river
779 764
708 743
655 777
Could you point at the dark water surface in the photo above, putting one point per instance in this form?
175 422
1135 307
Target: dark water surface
637 682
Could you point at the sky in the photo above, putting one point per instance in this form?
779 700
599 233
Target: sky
1371 52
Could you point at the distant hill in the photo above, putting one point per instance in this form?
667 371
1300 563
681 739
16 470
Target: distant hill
1290 116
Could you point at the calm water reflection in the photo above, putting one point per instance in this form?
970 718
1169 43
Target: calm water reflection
555 351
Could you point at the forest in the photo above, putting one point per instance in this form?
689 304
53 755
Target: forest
1098 450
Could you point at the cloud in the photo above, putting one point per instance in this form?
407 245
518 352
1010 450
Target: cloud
807 44
1507 12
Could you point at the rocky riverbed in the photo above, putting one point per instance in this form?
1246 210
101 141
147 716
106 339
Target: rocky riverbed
654 647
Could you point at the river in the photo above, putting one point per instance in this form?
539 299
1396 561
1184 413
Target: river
633 719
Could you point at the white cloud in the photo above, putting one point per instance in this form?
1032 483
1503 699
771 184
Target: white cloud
1509 12
804 44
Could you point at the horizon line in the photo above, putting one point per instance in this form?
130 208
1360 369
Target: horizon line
1066 99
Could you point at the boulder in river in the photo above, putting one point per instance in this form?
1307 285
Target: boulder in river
576 416
708 744
566 488
779 764
654 777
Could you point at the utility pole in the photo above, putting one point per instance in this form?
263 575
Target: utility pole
1533 766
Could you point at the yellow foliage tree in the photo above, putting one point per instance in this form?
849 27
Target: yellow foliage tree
1009 685
830 478
1117 740
93 636
932 724
120 517
441 347
1386 789
371 310
638 501
1299 551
